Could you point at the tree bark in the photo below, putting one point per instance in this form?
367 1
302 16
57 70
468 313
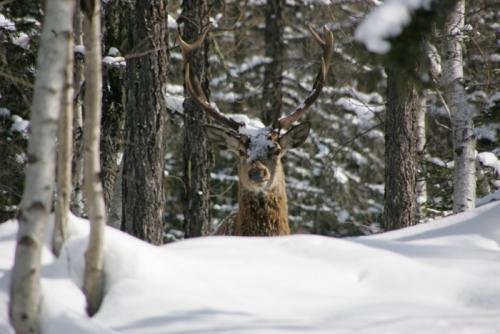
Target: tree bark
113 117
115 209
273 74
64 157
77 202
400 152
196 162
24 304
92 187
112 125
145 123
464 143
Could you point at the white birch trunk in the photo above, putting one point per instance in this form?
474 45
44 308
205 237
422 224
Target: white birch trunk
77 201
421 186
64 158
24 303
92 187
464 178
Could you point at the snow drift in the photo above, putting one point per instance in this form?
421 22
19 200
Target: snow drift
439 277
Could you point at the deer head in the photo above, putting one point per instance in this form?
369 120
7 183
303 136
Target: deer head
259 150
262 193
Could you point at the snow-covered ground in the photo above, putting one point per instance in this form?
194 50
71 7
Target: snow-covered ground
439 277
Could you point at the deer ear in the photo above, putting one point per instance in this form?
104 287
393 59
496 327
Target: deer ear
225 139
296 136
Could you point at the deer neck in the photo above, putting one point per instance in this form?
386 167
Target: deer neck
263 213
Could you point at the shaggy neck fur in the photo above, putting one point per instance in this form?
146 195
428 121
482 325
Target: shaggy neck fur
263 213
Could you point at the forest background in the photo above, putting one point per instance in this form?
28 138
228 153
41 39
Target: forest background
336 181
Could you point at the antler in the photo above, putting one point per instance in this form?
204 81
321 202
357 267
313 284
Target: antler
193 84
326 44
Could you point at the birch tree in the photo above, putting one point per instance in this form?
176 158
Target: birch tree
92 187
77 205
421 185
64 157
24 304
464 144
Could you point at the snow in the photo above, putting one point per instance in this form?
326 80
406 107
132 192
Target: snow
495 57
490 160
495 196
488 132
113 51
438 277
171 23
175 103
258 134
6 23
19 125
386 21
4 112
249 63
114 61
363 110
22 40
79 49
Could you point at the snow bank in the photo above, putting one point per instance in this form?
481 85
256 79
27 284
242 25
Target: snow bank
386 21
439 277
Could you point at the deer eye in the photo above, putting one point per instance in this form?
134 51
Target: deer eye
274 151
242 153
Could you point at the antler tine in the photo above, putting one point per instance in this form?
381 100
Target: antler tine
193 84
326 43
187 48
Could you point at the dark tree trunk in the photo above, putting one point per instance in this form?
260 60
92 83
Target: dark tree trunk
274 49
196 162
145 122
113 115
400 152
240 52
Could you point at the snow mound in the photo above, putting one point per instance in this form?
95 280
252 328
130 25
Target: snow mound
438 277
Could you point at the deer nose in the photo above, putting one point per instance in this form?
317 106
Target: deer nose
258 173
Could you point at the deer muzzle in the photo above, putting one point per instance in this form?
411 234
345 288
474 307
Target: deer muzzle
258 173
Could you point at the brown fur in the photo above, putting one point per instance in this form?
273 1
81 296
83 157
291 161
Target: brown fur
263 208
261 213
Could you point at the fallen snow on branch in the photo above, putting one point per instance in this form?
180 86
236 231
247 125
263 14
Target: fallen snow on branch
386 21
114 61
6 23
490 160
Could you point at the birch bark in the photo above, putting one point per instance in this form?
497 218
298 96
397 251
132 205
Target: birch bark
24 303
92 186
77 204
421 186
64 157
464 144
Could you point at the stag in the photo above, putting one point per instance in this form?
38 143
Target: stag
262 199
